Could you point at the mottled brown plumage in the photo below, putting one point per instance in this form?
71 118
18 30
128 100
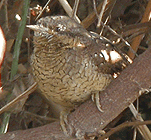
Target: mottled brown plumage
67 62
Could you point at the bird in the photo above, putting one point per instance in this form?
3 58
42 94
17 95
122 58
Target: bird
69 63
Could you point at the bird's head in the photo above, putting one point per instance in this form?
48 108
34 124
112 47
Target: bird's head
61 30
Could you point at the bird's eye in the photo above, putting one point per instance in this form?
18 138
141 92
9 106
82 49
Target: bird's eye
57 29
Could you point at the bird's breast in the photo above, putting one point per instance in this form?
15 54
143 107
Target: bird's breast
67 78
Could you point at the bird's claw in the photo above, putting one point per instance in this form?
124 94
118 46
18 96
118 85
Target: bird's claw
95 98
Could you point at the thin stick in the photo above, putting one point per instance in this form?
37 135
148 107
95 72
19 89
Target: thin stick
18 98
95 9
104 24
143 129
1 4
75 7
121 126
43 9
137 40
101 13
68 9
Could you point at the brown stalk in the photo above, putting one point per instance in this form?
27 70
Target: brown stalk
137 40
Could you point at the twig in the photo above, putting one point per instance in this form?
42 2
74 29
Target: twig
75 7
135 134
95 9
1 4
101 13
137 40
18 98
91 17
104 24
115 33
43 9
68 9
121 126
143 129
134 28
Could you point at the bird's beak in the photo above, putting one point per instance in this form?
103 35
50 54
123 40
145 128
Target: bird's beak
37 28
33 27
